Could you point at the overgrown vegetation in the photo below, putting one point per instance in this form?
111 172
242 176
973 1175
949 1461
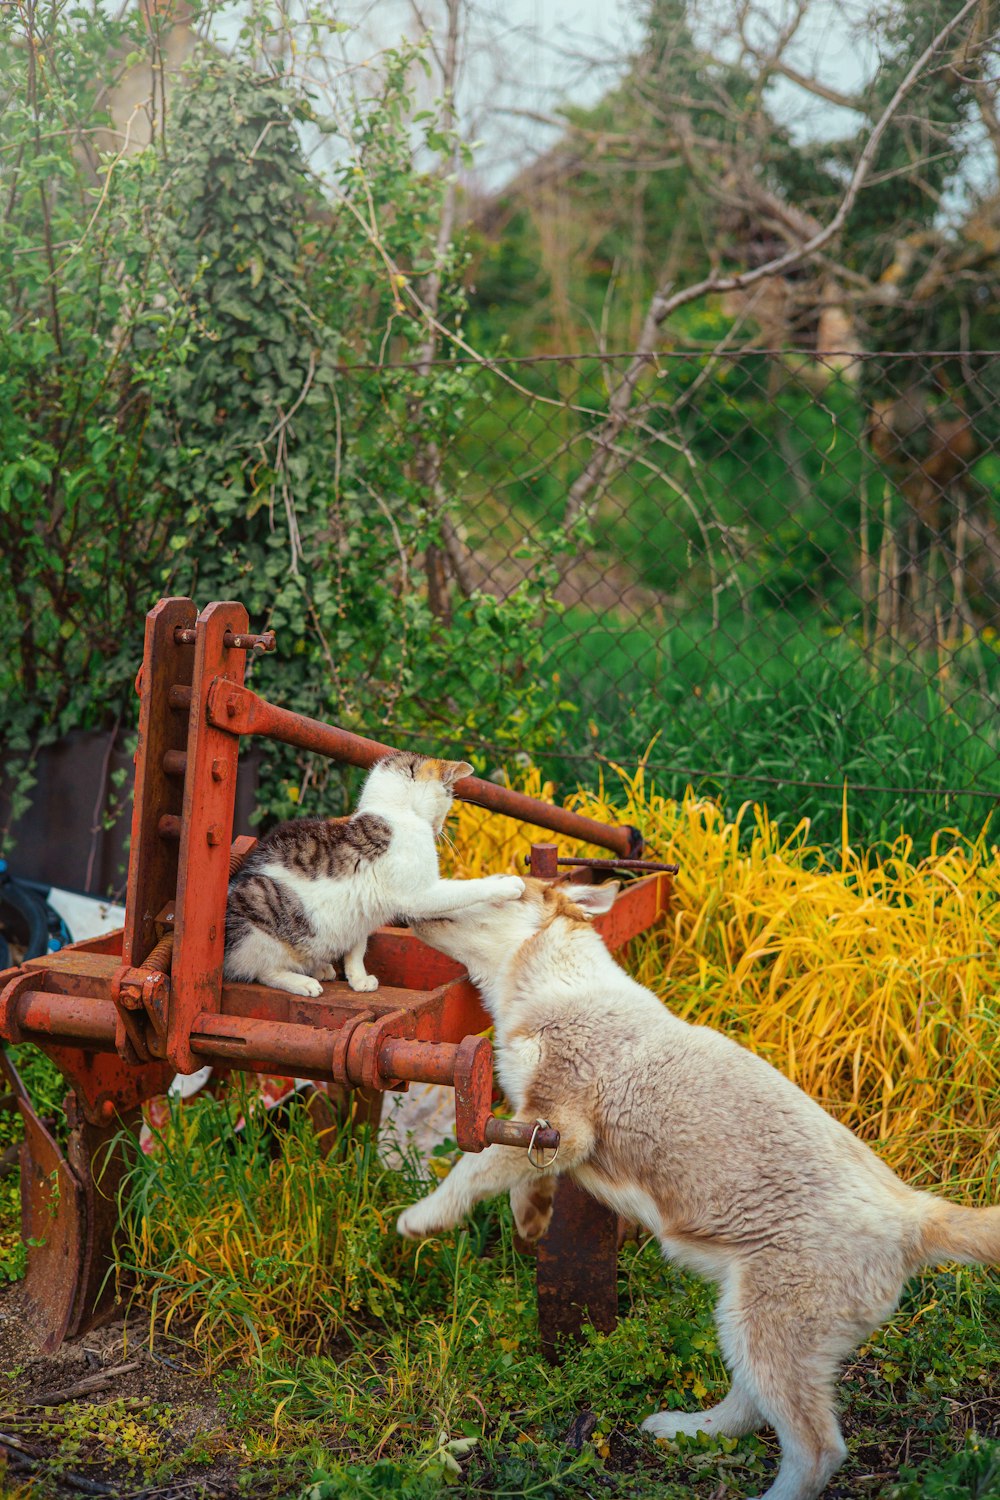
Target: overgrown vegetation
440 1381
261 357
353 1363
172 416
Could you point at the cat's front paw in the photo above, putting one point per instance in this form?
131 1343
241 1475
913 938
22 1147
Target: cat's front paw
420 1220
324 971
506 887
363 983
296 984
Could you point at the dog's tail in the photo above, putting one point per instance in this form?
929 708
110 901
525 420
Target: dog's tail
951 1232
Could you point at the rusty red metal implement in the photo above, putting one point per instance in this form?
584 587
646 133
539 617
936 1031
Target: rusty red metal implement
119 1015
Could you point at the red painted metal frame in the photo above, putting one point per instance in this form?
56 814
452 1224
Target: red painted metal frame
206 834
120 1014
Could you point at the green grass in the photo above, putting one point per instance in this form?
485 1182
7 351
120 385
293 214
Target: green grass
447 1385
740 512
760 707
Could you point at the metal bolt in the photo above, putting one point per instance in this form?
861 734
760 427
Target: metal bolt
130 995
219 770
214 834
108 1111
231 705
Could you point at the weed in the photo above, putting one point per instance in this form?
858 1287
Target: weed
870 980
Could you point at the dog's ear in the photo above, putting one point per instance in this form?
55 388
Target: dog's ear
594 899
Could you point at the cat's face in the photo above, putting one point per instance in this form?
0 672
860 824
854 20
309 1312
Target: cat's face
417 782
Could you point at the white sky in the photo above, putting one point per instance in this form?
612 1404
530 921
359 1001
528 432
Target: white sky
525 58
530 56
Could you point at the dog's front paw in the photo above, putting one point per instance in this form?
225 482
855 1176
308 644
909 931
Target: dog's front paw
532 1204
363 985
506 887
419 1221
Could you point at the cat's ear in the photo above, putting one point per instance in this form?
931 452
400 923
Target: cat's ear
595 900
455 770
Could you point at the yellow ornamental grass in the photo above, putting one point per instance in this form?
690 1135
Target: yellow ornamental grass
871 979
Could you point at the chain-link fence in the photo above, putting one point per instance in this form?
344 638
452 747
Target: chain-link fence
768 573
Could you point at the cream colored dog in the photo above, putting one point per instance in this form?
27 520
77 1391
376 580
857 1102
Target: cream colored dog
741 1176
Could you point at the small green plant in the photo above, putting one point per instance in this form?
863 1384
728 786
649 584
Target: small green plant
972 1474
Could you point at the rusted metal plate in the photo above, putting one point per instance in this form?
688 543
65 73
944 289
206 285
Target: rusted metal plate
69 1203
577 1269
206 834
53 1222
152 868
53 1226
75 970
401 959
106 943
637 907
473 1082
332 1008
109 1090
98 1163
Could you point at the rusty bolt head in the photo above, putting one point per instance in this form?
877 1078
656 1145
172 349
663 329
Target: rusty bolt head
214 834
231 705
220 770
108 1111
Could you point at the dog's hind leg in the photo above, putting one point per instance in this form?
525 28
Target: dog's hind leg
787 1352
736 1414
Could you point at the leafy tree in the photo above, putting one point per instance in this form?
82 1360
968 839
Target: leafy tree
191 400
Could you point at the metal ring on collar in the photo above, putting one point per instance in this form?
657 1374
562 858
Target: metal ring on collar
541 1166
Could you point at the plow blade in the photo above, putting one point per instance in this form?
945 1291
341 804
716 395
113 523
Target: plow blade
66 1218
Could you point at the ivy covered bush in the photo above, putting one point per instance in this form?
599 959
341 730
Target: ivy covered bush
191 398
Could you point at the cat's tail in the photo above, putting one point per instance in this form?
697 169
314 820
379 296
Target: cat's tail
951 1232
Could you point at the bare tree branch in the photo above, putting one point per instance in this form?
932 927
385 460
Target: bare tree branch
814 86
664 302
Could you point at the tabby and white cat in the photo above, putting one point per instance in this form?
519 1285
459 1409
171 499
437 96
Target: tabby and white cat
312 890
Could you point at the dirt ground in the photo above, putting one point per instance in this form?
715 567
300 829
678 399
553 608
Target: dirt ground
105 1416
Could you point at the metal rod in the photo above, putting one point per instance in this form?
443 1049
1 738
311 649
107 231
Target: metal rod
174 762
185 636
243 712
76 1017
520 1133
240 1038
619 864
418 1062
